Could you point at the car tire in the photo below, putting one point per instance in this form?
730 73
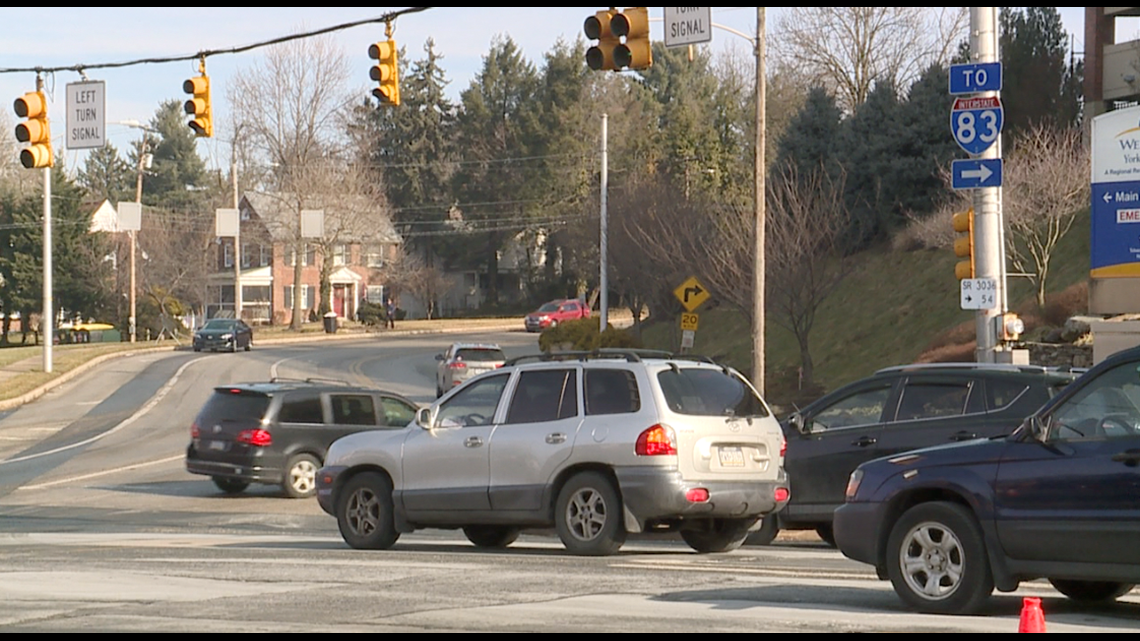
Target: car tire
826 532
587 516
721 535
491 536
249 345
301 476
229 486
1091 591
364 512
925 543
767 532
197 349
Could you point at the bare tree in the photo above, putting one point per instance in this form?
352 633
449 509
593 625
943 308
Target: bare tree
295 103
412 274
1045 187
849 49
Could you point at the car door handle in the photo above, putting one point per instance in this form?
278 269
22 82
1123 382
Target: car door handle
864 441
964 436
556 438
473 441
1131 458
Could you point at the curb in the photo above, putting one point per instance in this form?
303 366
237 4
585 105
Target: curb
99 360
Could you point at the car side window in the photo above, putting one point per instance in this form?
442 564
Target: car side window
353 409
611 391
932 400
862 408
396 413
302 409
544 395
1108 407
1002 393
475 404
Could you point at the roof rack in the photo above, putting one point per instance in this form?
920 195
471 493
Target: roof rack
630 355
1005 367
312 380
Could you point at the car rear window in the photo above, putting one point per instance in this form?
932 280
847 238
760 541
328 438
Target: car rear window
233 405
709 392
480 354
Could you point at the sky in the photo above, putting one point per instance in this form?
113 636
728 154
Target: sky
70 36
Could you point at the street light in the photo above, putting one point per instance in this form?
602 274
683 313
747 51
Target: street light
143 155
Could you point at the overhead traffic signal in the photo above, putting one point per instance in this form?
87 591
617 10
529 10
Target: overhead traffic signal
34 131
964 247
633 25
199 105
386 71
600 57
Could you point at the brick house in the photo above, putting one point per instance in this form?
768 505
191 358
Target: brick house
360 236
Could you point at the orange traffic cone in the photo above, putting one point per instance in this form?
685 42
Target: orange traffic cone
1032 619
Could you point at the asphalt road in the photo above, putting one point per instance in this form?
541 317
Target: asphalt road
101 529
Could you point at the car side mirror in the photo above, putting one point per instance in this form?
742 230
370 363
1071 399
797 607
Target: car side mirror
799 423
424 418
439 357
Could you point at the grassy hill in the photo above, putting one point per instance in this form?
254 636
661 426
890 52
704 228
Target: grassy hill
892 308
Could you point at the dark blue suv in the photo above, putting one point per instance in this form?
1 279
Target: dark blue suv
1058 499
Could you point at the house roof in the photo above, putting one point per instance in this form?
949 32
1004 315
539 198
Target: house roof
349 219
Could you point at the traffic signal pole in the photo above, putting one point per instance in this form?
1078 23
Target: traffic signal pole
988 227
48 315
604 284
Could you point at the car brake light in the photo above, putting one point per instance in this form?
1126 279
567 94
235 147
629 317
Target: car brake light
783 446
256 438
782 494
193 430
655 441
457 365
697 495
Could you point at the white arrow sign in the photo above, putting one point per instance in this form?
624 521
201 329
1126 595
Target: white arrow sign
981 173
1107 197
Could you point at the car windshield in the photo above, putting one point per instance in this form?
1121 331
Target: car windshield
218 324
549 307
709 392
480 354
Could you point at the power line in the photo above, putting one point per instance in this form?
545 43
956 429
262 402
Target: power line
205 53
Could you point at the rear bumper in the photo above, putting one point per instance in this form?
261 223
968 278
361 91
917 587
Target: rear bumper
257 470
658 494
856 527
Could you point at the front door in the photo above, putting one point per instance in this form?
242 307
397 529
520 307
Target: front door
338 300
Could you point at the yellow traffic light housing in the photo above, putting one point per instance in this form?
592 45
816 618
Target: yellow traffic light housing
963 222
35 131
633 25
600 57
199 105
386 72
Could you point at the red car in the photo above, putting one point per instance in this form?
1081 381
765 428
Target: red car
554 312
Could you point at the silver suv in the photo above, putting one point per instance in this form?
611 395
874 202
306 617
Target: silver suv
594 444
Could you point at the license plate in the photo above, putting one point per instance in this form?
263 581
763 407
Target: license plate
731 457
217 445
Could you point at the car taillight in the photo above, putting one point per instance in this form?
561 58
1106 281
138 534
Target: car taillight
782 494
193 430
256 438
697 495
783 446
457 366
655 441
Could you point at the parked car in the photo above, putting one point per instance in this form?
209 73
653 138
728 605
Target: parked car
278 432
223 333
592 444
1058 499
555 312
894 410
462 361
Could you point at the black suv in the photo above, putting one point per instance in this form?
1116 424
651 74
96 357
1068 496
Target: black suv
897 409
279 432
1057 499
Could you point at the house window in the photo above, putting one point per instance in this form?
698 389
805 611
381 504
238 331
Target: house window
374 256
246 251
228 254
266 258
469 279
375 294
308 258
306 296
340 255
255 293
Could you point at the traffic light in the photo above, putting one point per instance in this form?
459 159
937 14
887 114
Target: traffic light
633 25
600 57
1012 327
35 131
199 105
964 247
386 72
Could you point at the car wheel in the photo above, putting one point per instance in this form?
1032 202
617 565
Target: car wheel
364 512
197 349
229 486
1091 591
301 476
826 532
720 535
936 560
767 532
587 516
491 536
249 345
234 346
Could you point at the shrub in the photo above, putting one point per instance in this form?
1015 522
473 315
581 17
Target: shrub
371 314
582 334
1062 306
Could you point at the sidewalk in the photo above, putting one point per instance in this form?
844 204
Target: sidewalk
62 372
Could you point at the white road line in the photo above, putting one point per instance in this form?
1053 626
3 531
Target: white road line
158 396
103 473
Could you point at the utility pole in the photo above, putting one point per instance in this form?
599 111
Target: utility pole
760 213
602 244
989 254
237 233
132 322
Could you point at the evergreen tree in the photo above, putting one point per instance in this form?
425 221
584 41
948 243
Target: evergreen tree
176 165
106 176
924 147
869 151
812 138
1041 84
